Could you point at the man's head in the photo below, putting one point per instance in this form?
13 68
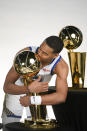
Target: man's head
55 43
50 48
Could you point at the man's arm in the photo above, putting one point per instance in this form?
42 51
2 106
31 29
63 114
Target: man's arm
9 85
61 87
11 88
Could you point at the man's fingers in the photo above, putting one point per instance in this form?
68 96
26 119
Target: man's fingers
43 83
45 88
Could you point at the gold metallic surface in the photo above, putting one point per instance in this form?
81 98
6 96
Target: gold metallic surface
42 124
27 64
77 65
71 36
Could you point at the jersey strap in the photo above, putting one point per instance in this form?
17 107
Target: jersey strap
55 65
30 48
37 49
33 49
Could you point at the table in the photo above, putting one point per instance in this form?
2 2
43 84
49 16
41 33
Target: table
74 111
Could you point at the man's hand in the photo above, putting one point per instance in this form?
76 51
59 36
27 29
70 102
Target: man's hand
38 86
25 101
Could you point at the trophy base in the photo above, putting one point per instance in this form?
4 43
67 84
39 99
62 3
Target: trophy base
42 124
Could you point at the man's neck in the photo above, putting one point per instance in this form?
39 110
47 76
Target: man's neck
45 63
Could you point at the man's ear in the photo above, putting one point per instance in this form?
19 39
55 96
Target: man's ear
56 55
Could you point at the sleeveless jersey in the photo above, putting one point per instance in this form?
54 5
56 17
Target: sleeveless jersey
12 106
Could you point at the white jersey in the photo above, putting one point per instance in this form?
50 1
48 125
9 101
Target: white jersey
12 107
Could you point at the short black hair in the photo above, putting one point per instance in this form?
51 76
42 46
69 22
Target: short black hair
55 43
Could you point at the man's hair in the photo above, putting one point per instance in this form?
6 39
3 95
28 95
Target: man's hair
55 43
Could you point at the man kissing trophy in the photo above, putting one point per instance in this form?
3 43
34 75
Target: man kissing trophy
27 64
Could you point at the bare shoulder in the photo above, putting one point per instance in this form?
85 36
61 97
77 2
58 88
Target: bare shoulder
61 68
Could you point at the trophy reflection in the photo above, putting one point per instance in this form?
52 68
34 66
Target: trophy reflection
27 64
72 38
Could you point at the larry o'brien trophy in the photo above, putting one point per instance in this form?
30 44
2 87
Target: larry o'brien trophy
27 64
72 38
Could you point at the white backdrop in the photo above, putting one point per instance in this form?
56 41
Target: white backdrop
29 22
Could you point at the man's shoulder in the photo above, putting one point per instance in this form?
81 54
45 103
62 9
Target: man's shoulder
61 66
63 63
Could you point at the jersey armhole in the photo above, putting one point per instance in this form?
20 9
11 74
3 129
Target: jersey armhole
55 65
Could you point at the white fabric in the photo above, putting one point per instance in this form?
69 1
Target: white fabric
13 103
36 100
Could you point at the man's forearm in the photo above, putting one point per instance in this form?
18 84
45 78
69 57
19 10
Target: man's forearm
15 89
52 99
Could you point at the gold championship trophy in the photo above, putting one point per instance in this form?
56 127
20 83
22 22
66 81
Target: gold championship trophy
72 38
27 64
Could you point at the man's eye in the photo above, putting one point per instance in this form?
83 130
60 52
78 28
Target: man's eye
43 52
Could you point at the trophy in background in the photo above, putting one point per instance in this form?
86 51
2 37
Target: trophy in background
72 38
27 64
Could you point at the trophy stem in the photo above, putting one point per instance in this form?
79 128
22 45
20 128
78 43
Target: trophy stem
39 114
77 67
